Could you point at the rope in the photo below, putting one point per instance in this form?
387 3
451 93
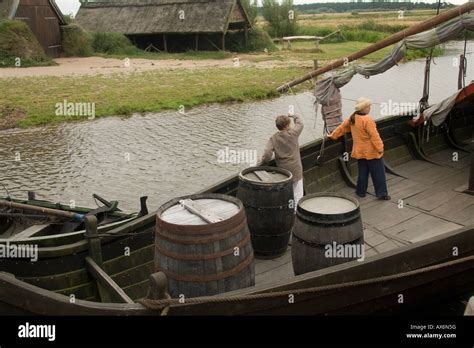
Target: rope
5 188
161 304
423 103
296 101
463 65
325 129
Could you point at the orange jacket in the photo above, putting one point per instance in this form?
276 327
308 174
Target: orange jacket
367 142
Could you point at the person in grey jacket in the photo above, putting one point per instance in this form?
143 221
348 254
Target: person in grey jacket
284 144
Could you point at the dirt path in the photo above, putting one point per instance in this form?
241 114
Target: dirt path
98 65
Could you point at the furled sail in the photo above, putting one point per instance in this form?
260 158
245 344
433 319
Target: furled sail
327 90
437 113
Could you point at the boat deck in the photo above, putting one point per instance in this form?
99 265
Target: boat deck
426 203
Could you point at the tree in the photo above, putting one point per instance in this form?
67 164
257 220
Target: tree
251 7
281 17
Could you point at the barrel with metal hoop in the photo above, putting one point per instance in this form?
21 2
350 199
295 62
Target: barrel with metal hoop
203 245
328 231
267 194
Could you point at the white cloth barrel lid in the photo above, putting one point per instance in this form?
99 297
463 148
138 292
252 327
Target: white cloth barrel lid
200 212
328 205
265 175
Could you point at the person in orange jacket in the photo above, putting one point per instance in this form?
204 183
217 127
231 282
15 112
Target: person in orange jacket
367 148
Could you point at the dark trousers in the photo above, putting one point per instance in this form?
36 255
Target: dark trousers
376 168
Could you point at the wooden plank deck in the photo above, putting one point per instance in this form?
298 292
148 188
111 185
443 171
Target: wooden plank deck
424 205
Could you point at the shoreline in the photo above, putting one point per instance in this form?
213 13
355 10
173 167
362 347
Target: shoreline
153 85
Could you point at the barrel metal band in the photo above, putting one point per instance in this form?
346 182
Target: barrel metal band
200 257
209 278
322 245
281 207
203 240
341 223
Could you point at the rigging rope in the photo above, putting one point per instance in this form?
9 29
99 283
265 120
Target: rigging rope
423 103
463 65
325 127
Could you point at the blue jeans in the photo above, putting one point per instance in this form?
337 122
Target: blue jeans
376 168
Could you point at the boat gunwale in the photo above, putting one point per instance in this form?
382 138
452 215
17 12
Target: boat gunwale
281 285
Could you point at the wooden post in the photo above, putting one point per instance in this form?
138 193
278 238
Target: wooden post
158 286
470 187
95 252
196 46
165 42
246 33
316 64
95 249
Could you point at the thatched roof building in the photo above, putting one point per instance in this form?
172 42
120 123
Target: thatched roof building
164 22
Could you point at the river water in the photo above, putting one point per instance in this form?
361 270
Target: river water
168 154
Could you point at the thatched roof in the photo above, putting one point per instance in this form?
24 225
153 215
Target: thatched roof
161 16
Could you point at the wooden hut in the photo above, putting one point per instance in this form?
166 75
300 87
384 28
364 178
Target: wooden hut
167 25
44 18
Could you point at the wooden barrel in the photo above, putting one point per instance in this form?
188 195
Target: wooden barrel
328 231
267 195
203 245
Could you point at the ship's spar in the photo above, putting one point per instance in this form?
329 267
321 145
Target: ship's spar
393 39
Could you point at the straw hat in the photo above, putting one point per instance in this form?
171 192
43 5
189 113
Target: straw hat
362 103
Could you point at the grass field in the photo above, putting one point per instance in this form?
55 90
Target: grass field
141 92
27 102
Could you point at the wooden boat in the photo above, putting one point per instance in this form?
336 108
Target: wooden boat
419 254
54 237
50 224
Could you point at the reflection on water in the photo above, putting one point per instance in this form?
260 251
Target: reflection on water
167 154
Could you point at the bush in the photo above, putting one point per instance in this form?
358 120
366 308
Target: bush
17 41
113 43
281 17
326 10
364 35
371 25
76 41
258 41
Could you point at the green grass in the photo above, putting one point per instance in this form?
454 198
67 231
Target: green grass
140 92
19 45
76 42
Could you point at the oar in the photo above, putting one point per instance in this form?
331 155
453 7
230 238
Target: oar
45 211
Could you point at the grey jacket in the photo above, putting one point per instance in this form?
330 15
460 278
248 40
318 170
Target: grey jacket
287 149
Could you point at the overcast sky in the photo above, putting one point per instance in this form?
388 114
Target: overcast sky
71 6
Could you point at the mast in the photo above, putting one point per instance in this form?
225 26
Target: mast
418 28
